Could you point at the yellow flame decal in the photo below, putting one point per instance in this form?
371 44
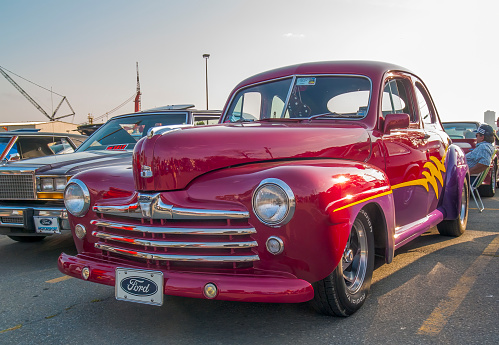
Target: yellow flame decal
436 168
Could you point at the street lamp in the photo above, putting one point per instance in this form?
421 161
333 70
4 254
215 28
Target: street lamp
206 57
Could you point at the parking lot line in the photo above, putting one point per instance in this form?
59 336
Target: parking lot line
441 314
57 280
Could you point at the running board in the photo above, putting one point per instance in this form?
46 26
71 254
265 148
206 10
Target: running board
407 233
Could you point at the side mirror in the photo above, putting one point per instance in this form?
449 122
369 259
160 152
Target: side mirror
395 121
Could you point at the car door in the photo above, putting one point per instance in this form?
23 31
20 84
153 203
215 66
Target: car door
405 151
437 144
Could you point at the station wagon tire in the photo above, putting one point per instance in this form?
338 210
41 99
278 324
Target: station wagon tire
456 227
344 291
489 190
27 238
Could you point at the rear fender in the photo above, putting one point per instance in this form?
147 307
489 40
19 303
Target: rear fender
456 172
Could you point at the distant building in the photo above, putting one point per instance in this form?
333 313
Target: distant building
52 126
489 117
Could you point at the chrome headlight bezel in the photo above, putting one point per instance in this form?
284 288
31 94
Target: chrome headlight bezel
85 198
286 195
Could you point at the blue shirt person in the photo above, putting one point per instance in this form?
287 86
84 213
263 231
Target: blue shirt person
479 159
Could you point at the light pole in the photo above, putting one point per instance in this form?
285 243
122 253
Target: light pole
206 57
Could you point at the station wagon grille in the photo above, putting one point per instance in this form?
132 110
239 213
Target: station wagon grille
17 186
178 244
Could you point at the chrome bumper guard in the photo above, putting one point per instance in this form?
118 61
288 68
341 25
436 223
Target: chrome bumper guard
14 216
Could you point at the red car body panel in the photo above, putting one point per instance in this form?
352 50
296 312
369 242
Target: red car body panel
408 179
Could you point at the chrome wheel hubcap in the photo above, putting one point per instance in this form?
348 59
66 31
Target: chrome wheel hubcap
354 261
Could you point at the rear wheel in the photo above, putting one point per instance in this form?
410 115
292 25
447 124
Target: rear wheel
489 190
344 291
27 238
456 227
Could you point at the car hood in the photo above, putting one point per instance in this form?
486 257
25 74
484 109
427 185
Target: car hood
172 160
70 163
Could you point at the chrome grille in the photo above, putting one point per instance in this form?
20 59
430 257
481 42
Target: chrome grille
12 220
17 186
180 244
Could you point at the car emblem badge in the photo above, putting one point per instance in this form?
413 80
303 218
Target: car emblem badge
146 172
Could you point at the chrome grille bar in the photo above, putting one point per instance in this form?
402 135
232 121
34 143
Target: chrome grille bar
171 244
173 257
174 231
17 185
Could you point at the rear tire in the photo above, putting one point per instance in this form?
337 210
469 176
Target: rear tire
456 227
344 291
27 238
489 190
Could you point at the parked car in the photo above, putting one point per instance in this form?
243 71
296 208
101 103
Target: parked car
22 144
313 169
463 135
31 191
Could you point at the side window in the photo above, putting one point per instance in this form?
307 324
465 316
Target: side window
248 107
396 98
425 110
277 107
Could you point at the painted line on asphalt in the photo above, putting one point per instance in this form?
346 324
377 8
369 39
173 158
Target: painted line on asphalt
485 209
57 280
441 314
11 329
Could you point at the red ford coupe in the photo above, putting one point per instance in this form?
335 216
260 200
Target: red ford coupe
312 170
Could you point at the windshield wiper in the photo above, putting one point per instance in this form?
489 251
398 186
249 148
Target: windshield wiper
335 115
243 120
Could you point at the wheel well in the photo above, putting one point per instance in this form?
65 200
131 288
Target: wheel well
379 228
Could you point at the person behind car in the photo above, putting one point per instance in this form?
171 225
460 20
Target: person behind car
479 159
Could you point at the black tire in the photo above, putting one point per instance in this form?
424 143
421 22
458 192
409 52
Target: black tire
456 227
344 291
27 238
489 190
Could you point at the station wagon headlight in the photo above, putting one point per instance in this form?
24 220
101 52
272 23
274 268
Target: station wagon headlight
77 198
273 202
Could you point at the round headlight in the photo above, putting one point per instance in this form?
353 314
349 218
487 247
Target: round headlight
273 202
77 198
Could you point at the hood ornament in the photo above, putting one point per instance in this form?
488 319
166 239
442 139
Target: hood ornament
146 172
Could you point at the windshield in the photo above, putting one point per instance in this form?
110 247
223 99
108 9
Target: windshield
460 130
122 133
301 98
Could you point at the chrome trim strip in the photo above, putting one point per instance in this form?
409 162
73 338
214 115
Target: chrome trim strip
151 206
171 244
175 231
171 257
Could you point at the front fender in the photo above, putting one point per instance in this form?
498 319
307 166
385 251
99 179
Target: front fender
456 172
328 195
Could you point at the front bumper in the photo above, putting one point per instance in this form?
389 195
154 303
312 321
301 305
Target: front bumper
269 287
20 218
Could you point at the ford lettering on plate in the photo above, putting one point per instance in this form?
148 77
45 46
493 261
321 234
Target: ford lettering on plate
139 286
47 225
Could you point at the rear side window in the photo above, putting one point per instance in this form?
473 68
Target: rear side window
396 98
426 110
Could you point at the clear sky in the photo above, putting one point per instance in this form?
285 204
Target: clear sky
87 50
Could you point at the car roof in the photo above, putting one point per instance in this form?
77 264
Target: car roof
163 111
373 69
40 134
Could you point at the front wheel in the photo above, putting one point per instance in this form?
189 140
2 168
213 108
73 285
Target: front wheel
456 227
344 291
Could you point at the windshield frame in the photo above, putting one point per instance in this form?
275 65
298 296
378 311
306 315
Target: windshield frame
226 118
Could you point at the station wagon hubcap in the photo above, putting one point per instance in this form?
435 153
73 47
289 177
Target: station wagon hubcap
354 261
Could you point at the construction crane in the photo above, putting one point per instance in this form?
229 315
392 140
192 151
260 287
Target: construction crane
29 98
137 97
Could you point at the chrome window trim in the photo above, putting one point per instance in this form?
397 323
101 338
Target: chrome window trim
293 79
174 231
173 257
173 244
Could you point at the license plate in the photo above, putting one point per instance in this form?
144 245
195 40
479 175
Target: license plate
140 286
47 225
